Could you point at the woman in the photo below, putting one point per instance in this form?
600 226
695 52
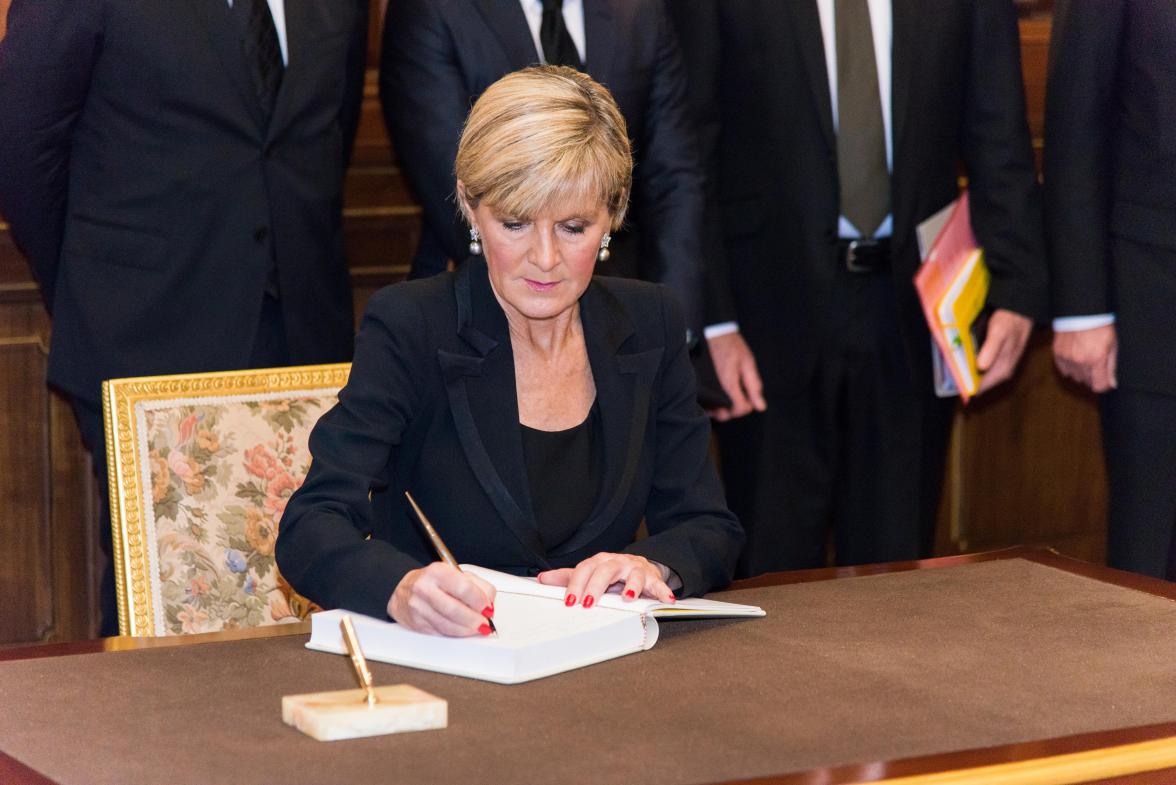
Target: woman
536 414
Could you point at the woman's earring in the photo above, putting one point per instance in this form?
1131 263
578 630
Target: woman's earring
475 242
603 254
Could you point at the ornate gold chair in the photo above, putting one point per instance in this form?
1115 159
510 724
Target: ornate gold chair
200 468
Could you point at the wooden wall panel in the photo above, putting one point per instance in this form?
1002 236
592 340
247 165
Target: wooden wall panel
1026 466
74 526
1034 58
26 571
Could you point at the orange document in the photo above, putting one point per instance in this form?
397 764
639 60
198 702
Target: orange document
953 287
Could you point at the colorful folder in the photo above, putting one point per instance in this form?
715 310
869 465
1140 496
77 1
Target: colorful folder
953 287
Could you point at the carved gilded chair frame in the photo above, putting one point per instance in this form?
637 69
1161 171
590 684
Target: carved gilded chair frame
124 403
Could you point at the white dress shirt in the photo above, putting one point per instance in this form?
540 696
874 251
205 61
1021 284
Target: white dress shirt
278 10
1072 324
573 14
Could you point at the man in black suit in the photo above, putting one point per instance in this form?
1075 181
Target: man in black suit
1110 185
173 171
440 55
836 127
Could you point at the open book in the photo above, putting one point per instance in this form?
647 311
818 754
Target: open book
537 635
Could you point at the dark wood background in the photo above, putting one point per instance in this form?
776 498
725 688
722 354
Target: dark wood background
1025 462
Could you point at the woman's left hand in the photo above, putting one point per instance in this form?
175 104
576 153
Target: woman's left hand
636 576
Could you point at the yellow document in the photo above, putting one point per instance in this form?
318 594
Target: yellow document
957 312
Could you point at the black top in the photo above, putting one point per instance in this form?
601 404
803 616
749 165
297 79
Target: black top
563 470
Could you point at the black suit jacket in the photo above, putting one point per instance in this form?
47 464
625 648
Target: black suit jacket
440 55
139 178
1110 176
431 407
761 95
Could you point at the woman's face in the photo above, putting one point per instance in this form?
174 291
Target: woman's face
540 267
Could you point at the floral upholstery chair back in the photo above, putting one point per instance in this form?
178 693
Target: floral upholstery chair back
201 468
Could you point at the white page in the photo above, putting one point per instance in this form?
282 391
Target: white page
693 606
928 231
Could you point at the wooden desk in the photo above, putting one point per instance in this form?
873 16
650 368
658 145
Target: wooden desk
1073 758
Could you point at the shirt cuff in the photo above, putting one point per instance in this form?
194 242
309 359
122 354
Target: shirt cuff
722 328
669 576
1072 324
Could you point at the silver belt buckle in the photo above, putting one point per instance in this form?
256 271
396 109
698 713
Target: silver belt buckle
851 259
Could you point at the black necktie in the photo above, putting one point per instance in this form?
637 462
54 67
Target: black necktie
263 53
558 47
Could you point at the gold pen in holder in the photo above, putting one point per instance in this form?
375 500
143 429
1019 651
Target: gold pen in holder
439 545
351 640
395 708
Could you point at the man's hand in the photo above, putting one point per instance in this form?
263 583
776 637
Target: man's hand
1089 357
738 375
1008 333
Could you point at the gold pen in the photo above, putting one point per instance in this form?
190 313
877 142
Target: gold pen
358 660
439 545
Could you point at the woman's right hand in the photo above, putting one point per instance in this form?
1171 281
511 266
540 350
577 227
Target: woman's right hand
442 600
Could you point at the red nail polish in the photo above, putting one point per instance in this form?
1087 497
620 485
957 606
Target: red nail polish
484 629
588 601
630 593
570 600
488 611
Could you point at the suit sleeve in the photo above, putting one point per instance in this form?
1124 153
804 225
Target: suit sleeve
698 27
46 60
324 546
669 178
691 531
1079 115
998 155
349 112
425 102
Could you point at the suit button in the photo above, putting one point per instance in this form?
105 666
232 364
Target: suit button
260 233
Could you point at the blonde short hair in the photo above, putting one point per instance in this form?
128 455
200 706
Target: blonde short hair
545 136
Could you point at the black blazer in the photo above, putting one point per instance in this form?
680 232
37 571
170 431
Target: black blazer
431 407
440 55
761 95
149 195
1110 176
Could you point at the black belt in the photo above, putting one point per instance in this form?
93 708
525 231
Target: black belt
864 256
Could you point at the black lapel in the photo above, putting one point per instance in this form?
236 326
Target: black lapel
300 29
482 395
904 65
624 384
807 26
225 38
600 38
509 23
906 44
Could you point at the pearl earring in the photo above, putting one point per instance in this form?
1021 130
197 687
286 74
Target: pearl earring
603 254
475 242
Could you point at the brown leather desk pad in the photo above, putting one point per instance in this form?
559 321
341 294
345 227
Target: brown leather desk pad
868 669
